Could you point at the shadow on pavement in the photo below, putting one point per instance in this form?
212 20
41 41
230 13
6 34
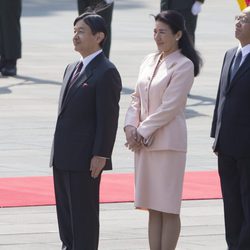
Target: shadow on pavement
190 113
34 80
25 80
201 100
127 91
48 7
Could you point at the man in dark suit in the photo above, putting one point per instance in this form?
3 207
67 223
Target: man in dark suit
85 134
10 36
231 130
103 8
188 8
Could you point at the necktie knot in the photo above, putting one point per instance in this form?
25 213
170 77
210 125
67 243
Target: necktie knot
78 68
76 72
238 58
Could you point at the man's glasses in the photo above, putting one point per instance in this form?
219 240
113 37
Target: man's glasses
242 19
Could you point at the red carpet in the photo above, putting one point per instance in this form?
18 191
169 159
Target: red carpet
38 191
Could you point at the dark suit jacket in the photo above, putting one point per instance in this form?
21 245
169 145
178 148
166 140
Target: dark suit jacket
231 120
88 116
177 4
183 7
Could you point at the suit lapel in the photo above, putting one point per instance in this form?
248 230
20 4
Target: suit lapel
242 69
83 77
225 75
69 71
226 70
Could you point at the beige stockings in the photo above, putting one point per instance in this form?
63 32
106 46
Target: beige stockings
163 230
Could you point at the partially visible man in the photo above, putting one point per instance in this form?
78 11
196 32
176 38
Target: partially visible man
103 8
189 9
231 130
10 36
85 134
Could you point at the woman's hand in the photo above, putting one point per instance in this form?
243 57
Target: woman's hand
133 138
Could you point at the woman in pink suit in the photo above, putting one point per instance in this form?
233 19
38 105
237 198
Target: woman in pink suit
156 131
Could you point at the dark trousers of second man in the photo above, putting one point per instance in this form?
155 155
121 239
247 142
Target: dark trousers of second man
235 184
77 204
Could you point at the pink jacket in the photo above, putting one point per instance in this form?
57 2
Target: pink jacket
158 105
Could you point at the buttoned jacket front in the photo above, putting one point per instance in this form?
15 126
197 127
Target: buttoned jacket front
87 116
158 103
231 119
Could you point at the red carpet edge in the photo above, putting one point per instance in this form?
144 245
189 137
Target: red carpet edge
115 187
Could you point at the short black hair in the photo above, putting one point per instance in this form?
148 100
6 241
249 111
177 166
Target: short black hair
95 22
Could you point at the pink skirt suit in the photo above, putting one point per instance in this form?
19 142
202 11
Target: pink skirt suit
157 110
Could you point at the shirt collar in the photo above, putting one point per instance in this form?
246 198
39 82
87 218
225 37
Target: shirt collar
86 60
245 50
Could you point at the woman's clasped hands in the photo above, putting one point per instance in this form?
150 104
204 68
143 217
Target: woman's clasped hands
134 139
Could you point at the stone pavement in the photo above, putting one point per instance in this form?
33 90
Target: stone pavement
28 106
122 227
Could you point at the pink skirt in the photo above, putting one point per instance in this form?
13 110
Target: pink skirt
159 180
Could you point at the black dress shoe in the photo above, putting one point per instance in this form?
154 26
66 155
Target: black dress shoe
64 247
2 63
8 71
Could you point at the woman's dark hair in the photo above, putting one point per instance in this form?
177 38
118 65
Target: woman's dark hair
95 22
176 23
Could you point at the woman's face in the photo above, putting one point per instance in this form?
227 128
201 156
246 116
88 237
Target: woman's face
166 41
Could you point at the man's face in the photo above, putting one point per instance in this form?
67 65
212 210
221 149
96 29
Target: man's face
242 28
84 41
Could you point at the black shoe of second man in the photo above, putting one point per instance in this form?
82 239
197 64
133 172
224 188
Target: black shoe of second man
9 68
2 63
9 71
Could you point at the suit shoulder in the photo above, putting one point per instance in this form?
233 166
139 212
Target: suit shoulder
232 50
110 64
151 56
71 65
149 59
106 64
183 61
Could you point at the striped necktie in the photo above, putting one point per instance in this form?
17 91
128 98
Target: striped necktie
76 73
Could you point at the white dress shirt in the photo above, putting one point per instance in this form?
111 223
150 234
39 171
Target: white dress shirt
245 51
86 60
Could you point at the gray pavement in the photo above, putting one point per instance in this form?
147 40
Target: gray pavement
28 106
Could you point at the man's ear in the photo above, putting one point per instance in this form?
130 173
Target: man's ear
100 37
